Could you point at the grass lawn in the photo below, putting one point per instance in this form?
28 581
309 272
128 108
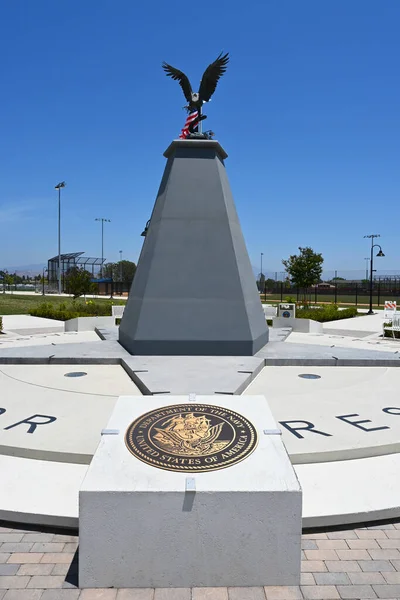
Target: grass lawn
14 304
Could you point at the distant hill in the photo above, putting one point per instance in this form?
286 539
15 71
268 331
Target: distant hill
26 269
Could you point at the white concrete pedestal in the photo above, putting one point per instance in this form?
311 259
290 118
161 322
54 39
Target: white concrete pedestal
241 526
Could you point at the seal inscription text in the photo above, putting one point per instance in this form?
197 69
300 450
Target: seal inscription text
191 437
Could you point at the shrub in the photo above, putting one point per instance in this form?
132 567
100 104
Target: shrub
78 282
72 310
326 313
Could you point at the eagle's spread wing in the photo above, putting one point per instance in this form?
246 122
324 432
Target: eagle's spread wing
211 77
181 77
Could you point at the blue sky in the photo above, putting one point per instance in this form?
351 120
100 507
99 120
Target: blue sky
308 112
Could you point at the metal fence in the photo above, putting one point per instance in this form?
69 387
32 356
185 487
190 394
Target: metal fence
100 288
347 274
357 293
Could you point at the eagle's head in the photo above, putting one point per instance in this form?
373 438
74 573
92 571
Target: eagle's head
195 97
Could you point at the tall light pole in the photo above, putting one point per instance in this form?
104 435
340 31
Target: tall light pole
261 272
58 187
120 265
102 241
380 253
366 267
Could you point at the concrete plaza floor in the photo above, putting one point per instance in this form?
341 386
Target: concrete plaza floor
357 563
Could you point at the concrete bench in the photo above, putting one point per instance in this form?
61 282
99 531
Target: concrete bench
117 311
395 326
269 311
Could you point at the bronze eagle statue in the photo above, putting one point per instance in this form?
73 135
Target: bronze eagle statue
208 84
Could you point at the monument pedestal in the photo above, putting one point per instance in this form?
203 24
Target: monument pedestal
142 526
194 291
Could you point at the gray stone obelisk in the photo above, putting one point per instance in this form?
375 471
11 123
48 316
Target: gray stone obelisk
194 291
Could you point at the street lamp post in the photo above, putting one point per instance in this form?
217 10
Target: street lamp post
102 241
58 187
380 253
261 272
120 265
366 267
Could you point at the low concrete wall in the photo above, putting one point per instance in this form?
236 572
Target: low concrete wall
301 325
88 323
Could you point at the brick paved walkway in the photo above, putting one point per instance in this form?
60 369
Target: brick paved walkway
39 564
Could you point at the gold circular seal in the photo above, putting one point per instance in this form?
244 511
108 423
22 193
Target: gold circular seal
191 438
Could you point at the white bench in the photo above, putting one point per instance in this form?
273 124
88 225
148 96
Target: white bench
394 327
270 311
117 311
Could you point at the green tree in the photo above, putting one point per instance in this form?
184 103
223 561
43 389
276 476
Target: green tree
8 280
266 285
123 270
127 269
270 284
108 270
304 269
3 280
78 282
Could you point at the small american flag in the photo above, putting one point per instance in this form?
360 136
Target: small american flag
190 118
